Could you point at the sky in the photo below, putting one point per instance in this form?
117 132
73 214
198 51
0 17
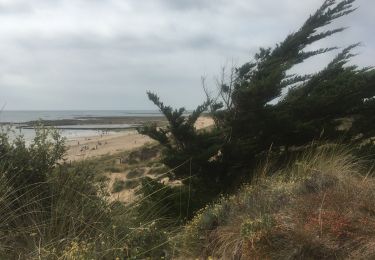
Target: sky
105 54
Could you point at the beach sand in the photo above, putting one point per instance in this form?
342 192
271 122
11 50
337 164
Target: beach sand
94 146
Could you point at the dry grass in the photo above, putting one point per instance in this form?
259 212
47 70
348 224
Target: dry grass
320 207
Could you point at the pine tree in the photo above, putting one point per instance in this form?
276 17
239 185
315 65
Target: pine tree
186 150
256 120
313 105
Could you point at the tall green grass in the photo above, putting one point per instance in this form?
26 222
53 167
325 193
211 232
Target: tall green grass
53 210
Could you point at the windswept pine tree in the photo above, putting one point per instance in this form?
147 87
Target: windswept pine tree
257 119
314 105
186 149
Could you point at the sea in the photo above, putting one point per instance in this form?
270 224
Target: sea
14 119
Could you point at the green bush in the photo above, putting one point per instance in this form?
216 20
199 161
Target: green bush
52 210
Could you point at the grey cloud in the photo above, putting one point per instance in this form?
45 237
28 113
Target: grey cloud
105 54
11 9
149 44
26 7
184 5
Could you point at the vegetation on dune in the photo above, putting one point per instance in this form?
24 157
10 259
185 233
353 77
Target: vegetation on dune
320 207
52 210
308 200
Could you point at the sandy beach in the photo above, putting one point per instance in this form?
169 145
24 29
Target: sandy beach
98 145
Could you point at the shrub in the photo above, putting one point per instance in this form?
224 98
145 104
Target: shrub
52 210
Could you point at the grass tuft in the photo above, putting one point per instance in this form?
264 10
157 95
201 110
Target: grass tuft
319 207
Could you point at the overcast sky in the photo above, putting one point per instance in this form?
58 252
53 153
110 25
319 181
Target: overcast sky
105 54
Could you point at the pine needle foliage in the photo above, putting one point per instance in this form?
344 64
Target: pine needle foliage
313 105
261 120
186 149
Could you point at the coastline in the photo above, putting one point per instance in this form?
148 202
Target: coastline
104 144
114 142
95 136
85 129
97 120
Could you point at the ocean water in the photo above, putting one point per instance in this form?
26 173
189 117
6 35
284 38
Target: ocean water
24 116
71 132
70 135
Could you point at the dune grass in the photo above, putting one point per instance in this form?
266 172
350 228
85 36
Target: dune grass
320 207
75 222
53 210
